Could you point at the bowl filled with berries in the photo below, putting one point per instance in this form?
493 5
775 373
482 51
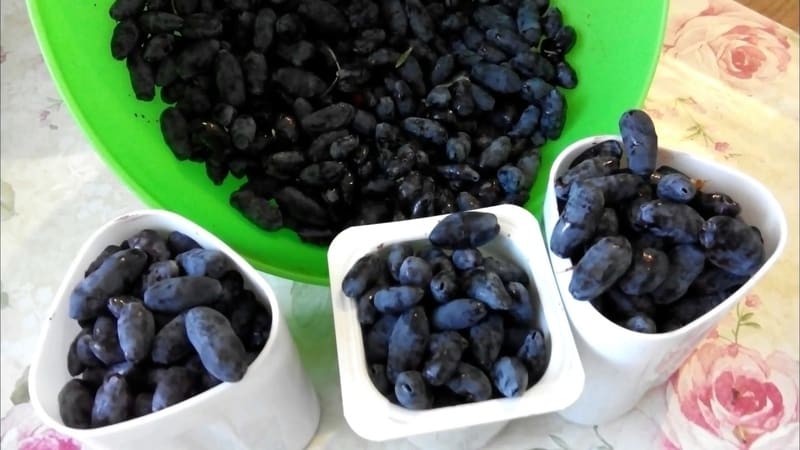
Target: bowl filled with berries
277 124
160 335
651 248
449 322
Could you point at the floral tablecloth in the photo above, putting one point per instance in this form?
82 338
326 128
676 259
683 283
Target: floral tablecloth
726 86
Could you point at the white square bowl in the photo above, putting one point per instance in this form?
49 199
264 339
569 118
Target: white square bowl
622 365
373 417
273 406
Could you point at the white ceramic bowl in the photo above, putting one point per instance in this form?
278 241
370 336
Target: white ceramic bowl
375 418
273 406
621 365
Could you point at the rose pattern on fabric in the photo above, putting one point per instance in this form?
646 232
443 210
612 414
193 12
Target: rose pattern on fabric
733 396
752 301
721 147
730 394
21 429
729 42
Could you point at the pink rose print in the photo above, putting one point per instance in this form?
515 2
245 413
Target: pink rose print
21 429
48 440
727 396
722 147
752 301
666 444
729 42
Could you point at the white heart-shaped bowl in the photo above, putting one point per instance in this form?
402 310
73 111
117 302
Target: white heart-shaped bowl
621 365
273 406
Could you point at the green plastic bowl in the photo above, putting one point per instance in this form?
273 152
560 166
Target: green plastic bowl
615 58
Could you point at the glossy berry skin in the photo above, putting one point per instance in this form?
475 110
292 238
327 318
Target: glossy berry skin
465 230
75 401
173 387
578 221
446 349
411 391
465 259
90 295
510 376
713 279
104 343
608 225
377 373
204 262
499 79
675 221
415 271
135 331
361 275
124 39
470 383
220 349
600 267
444 286
407 342
648 270
639 141
112 402
488 288
597 166
611 147
397 299
662 171
621 306
617 188
486 340
507 270
715 204
171 344
676 187
641 324
691 307
686 263
376 339
397 253
732 245
175 295
534 354
521 312
496 154
528 21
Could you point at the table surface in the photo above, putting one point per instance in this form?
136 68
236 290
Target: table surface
726 87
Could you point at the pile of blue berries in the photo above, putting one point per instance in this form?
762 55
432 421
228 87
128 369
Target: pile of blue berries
162 320
652 251
445 324
341 113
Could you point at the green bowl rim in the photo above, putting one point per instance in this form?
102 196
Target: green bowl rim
55 72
